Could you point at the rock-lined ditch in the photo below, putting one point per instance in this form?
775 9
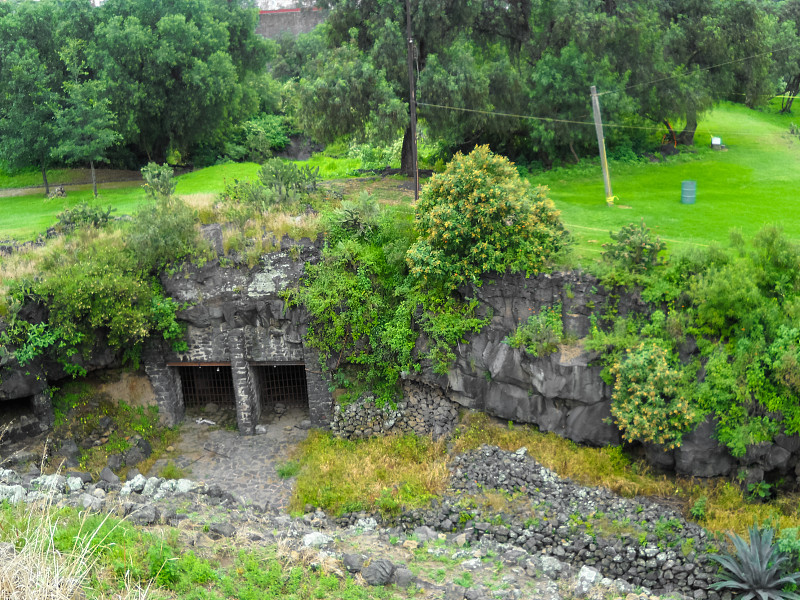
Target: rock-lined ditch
652 546
576 541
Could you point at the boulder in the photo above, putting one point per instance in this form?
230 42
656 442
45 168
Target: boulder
378 572
353 562
315 539
12 493
700 455
108 476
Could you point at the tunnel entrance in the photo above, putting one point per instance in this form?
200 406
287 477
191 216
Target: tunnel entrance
12 410
205 383
283 383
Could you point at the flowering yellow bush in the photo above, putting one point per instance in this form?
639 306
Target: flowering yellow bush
649 403
478 216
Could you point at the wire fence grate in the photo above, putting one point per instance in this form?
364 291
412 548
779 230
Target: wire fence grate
281 383
202 385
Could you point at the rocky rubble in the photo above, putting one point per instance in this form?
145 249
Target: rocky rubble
653 546
424 410
548 560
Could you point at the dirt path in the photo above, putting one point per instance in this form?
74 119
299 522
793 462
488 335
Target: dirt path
70 187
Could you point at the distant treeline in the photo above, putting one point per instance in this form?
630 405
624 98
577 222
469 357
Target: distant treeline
129 81
654 61
190 81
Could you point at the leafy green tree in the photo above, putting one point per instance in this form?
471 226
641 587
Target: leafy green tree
373 33
85 124
177 71
27 104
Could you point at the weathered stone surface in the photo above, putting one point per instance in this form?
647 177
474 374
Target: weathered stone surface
316 539
222 529
12 493
701 455
50 483
378 572
108 475
353 562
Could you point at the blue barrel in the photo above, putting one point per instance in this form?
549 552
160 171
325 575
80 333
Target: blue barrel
688 191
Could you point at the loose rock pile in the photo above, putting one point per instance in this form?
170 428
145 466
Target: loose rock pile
653 547
424 410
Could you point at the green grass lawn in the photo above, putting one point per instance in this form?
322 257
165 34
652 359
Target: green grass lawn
33 177
754 183
24 217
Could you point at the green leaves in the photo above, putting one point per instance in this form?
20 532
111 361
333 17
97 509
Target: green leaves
650 402
541 333
757 570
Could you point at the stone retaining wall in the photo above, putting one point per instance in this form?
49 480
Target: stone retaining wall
424 410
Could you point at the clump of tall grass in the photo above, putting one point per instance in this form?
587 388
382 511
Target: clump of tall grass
33 568
383 473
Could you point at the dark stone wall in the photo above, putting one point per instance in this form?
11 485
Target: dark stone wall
561 392
236 314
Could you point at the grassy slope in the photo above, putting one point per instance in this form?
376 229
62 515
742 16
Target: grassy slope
755 182
24 217
752 184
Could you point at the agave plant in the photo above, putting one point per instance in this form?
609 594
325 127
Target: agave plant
755 571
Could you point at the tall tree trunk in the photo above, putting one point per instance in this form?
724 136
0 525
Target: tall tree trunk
44 178
94 179
792 89
686 137
787 102
407 156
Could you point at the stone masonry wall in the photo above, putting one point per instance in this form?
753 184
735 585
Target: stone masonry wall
238 315
424 410
273 24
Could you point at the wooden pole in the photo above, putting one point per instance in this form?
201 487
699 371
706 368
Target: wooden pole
412 100
598 126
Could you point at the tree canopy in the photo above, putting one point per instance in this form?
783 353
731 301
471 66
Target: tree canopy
655 62
174 76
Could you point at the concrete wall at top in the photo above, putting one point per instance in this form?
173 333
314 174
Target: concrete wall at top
273 23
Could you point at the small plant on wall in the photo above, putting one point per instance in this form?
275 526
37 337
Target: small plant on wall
541 333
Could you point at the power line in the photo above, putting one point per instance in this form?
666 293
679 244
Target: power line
700 69
590 123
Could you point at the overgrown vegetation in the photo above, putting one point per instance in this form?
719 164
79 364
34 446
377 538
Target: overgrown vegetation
541 333
63 554
739 307
383 282
100 285
383 474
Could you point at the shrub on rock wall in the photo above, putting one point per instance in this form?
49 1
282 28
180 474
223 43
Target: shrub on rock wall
649 402
480 216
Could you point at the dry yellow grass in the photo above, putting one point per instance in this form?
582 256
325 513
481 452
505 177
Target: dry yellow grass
200 201
340 475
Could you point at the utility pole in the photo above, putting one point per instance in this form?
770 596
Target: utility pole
412 100
601 142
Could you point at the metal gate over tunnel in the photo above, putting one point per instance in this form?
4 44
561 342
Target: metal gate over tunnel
283 383
202 384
